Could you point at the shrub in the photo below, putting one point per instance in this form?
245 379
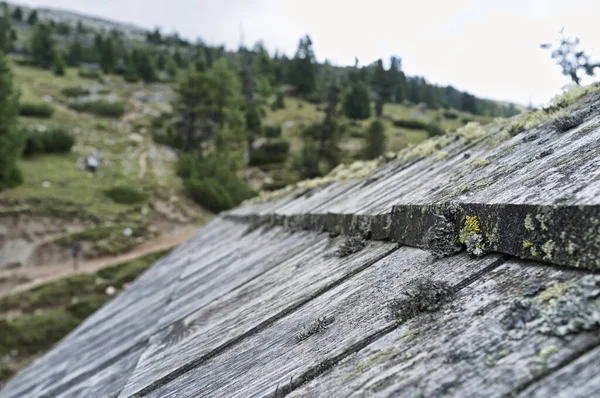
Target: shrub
210 194
100 107
376 140
212 181
435 129
275 151
314 98
59 65
76 91
308 163
87 306
126 195
36 109
279 102
13 179
54 140
87 73
432 128
450 115
411 124
31 334
272 131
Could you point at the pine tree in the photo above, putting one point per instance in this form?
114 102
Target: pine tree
200 63
17 14
209 107
107 56
10 139
468 103
171 67
376 140
6 34
144 65
59 65
356 104
303 68
32 19
381 83
309 160
131 74
74 54
161 61
42 46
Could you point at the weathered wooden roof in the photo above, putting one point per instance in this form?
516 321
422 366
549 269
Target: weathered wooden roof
355 287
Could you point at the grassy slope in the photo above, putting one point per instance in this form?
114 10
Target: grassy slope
301 113
75 192
33 321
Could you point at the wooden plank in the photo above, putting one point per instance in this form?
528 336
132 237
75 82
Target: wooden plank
488 342
251 307
288 348
215 270
579 379
106 383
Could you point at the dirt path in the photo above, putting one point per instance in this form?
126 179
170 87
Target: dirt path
44 274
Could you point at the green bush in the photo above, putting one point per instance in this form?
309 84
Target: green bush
87 306
210 194
54 140
89 73
376 140
272 131
432 128
212 181
435 129
76 91
279 102
450 115
126 195
275 151
36 109
100 107
14 179
411 124
30 334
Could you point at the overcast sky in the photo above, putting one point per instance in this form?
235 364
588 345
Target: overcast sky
487 47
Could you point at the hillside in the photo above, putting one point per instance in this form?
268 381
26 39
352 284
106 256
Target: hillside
60 201
56 186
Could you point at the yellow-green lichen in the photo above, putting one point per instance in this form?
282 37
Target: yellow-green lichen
547 352
442 155
479 163
548 249
527 244
529 223
471 227
470 236
571 95
542 222
534 252
571 248
553 292
471 132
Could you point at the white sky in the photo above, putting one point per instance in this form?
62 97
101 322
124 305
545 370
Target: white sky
487 47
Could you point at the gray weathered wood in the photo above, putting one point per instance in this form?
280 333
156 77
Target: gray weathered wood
464 350
259 302
579 379
359 306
